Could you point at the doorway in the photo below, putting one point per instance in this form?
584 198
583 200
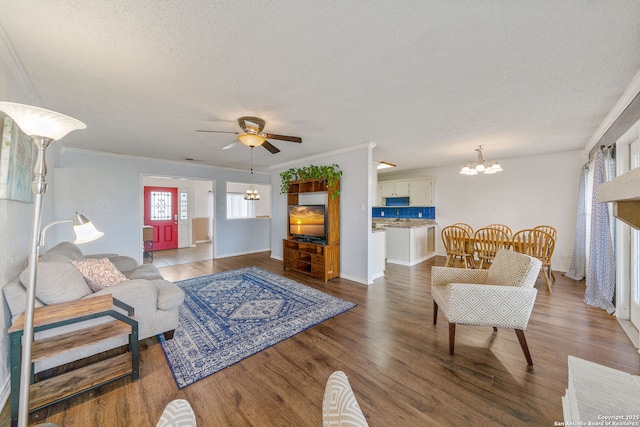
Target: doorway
161 213
192 205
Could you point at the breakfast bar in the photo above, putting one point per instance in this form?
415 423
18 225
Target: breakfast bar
409 241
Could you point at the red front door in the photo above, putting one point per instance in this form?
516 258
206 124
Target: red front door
161 212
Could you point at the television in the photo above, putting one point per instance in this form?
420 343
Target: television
308 223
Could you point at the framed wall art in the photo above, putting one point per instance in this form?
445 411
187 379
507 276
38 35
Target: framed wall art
17 160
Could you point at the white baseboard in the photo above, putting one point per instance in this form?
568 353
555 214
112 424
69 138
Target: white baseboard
242 253
5 391
361 280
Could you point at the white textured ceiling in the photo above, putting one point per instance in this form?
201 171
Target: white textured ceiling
427 81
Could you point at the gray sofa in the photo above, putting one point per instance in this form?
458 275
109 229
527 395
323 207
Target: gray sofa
156 301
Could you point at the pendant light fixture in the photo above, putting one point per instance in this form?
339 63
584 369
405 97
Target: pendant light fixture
252 194
480 165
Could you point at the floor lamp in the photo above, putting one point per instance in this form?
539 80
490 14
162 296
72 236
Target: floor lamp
43 126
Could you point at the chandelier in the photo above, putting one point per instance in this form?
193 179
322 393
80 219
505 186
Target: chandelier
480 165
252 194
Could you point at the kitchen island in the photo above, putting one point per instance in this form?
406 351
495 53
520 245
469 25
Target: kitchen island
409 241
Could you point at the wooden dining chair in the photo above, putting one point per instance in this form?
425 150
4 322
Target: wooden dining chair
466 227
538 244
456 244
502 227
486 244
554 233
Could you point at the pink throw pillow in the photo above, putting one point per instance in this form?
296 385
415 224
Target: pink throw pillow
99 273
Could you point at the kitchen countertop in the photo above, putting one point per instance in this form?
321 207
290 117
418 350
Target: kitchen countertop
401 223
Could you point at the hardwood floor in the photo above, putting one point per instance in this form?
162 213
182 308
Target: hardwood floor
396 360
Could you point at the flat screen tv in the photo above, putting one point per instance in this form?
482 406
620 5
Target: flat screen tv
308 223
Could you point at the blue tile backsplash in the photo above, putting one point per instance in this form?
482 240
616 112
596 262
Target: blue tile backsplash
428 212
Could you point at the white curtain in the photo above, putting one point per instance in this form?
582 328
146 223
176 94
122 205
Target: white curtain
579 257
238 207
601 276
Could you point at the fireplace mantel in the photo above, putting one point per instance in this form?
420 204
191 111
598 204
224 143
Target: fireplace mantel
624 191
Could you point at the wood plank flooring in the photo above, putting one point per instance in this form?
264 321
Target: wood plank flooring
397 362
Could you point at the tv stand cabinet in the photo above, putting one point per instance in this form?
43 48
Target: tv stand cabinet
320 261
314 259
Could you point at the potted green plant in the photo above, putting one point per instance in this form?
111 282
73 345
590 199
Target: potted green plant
329 174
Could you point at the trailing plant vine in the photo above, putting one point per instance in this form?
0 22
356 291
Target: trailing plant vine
329 174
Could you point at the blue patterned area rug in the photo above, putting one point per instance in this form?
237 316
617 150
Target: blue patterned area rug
231 315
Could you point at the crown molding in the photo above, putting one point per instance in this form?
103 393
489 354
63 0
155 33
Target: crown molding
10 58
154 160
629 94
369 145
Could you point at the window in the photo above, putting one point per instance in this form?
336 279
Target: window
160 206
184 205
239 208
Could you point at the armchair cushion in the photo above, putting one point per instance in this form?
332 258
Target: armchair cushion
486 305
442 276
511 268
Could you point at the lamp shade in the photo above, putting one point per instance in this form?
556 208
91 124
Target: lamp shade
35 121
85 230
251 139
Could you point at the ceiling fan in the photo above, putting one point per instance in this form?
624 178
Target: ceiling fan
252 135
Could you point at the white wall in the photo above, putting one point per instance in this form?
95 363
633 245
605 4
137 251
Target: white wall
355 209
16 217
201 192
530 191
108 189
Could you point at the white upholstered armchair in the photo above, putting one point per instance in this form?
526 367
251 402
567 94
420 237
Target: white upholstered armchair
339 406
500 297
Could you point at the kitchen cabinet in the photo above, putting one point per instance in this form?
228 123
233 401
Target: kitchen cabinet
378 253
394 189
421 191
410 245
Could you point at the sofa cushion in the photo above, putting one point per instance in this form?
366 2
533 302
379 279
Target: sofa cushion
145 271
67 249
99 273
124 263
16 295
169 295
57 282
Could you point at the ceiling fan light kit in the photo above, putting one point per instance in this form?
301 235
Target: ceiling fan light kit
251 139
252 135
480 165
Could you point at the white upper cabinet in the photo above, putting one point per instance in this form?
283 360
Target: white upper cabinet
394 189
420 191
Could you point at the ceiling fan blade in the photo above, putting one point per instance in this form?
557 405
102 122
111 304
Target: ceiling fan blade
270 147
217 131
230 145
284 138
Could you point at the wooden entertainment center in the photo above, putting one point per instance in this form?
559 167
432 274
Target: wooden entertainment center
314 259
